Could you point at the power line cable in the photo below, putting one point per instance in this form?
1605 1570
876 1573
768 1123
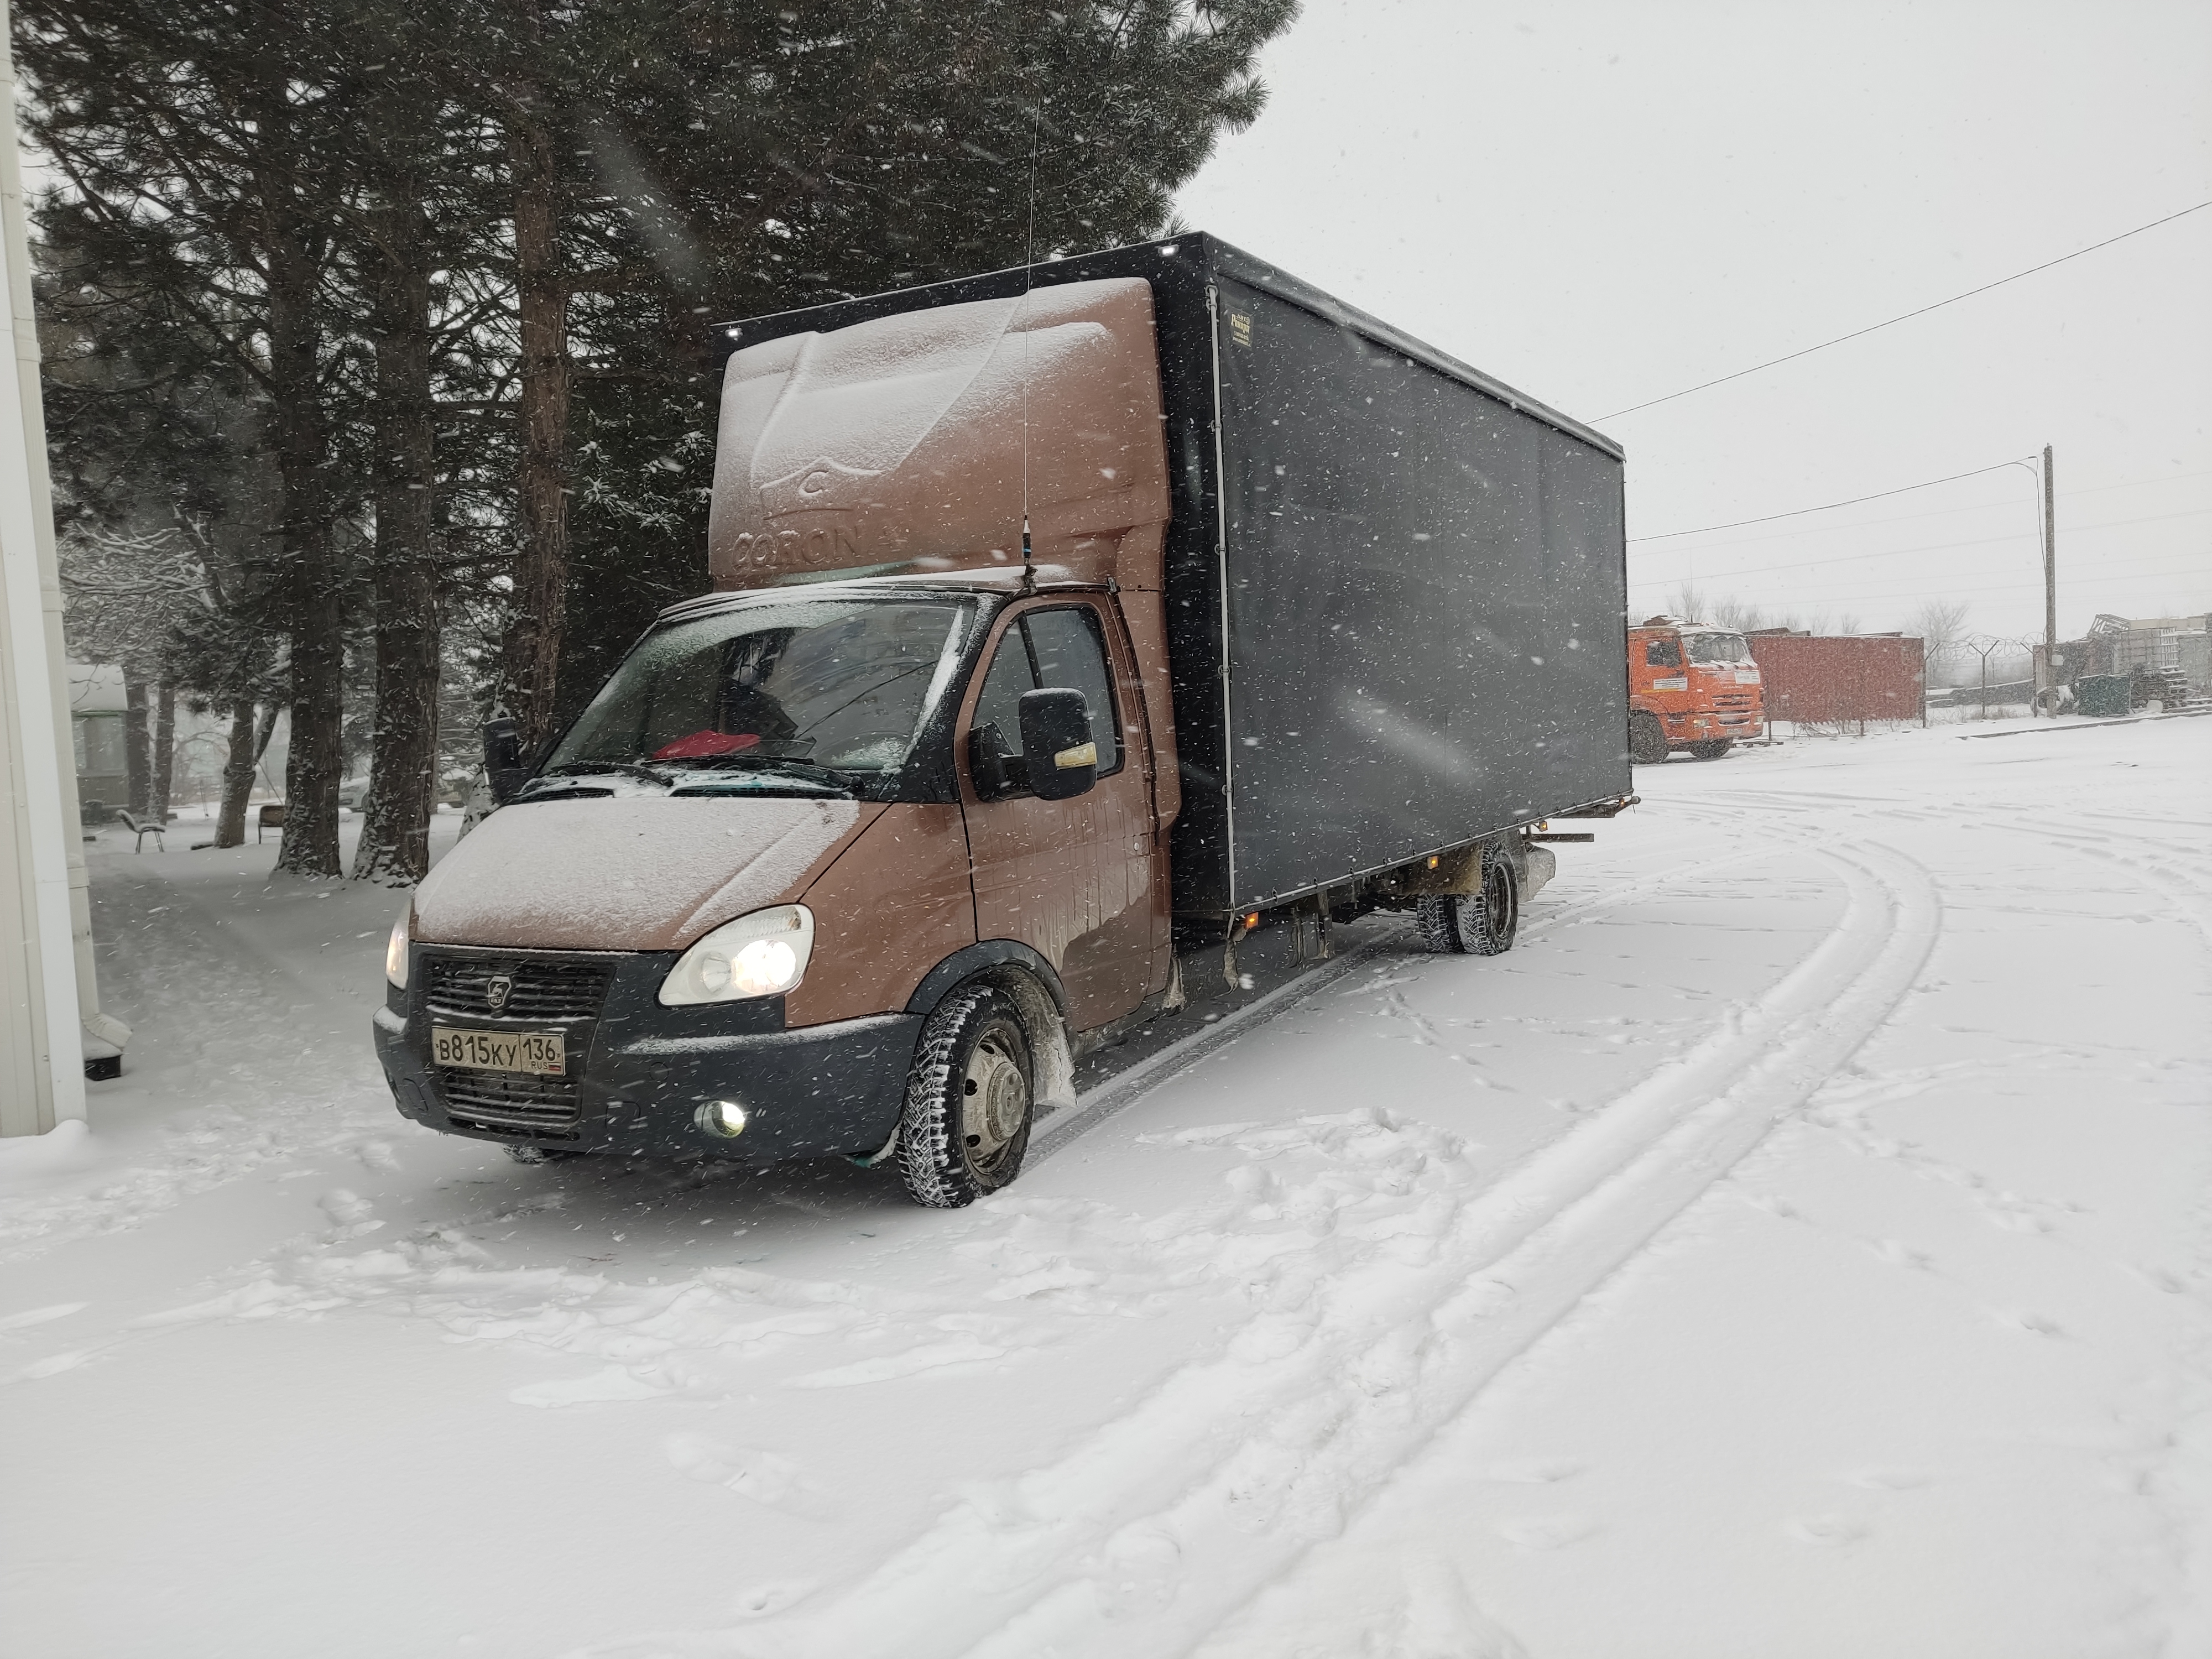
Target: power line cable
1827 507
1858 333
1937 547
1914 518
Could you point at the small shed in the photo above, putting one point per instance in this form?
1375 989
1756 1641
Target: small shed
97 704
1836 679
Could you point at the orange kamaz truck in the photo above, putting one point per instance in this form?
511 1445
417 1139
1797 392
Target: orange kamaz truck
1690 686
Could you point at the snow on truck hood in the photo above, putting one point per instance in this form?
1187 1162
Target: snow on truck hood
641 873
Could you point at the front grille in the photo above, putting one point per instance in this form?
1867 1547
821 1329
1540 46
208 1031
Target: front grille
542 988
507 1102
1736 699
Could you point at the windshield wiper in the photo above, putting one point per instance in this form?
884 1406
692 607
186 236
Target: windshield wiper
790 766
747 760
598 768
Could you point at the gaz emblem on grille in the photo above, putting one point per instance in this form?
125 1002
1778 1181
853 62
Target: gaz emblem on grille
497 989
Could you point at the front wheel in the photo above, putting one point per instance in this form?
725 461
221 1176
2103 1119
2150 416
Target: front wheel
1647 739
969 1098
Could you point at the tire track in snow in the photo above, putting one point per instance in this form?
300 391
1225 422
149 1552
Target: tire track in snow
1124 1089
2170 871
1171 1517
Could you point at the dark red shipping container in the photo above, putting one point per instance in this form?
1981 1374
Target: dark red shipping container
1816 679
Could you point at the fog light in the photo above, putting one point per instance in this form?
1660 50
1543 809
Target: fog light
725 1118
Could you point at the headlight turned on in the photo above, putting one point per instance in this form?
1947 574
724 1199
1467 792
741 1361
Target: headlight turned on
395 952
761 955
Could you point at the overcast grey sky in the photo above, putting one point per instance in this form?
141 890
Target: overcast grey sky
1604 203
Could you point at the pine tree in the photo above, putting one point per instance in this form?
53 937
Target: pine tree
433 288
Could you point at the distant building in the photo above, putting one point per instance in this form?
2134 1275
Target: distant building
97 704
2123 645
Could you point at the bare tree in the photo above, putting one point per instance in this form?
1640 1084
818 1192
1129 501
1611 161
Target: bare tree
1939 623
1741 615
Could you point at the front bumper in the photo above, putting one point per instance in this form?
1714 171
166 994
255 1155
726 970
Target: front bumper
1737 725
640 1071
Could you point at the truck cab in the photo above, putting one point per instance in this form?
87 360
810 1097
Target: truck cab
1692 687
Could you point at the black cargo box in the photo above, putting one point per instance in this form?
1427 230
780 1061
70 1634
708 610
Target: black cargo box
1396 588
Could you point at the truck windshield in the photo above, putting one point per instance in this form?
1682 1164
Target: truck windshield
799 697
1717 648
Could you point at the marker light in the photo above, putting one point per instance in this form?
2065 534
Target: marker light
761 955
395 952
725 1118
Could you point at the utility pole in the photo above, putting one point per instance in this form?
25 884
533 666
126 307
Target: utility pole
2050 587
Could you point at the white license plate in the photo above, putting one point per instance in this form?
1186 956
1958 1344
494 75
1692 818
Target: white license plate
1746 677
535 1054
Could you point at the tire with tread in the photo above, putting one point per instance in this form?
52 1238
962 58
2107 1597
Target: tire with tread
1437 916
970 1098
1490 917
1647 739
1712 751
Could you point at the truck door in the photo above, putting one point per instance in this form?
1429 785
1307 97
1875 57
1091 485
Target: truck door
1072 879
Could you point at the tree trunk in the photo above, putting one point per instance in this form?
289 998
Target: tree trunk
395 841
165 750
316 763
238 768
532 653
137 748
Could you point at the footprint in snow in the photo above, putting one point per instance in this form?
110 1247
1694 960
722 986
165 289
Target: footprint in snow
1535 1471
774 1596
768 1480
1831 1530
1140 1573
378 1156
1441 1621
1547 1532
2035 1323
346 1209
1890 1479
1898 1253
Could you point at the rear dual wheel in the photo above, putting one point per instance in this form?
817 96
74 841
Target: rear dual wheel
1482 923
969 1098
1712 751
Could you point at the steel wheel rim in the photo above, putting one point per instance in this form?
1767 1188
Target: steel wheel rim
1497 902
993 1098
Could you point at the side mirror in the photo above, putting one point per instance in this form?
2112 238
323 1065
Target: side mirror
998 770
503 767
1063 761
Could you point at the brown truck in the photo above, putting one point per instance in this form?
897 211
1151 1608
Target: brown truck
1070 625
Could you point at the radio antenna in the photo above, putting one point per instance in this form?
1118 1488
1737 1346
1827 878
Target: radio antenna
1029 282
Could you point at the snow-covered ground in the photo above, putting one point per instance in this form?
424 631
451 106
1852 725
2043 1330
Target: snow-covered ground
1798 1245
